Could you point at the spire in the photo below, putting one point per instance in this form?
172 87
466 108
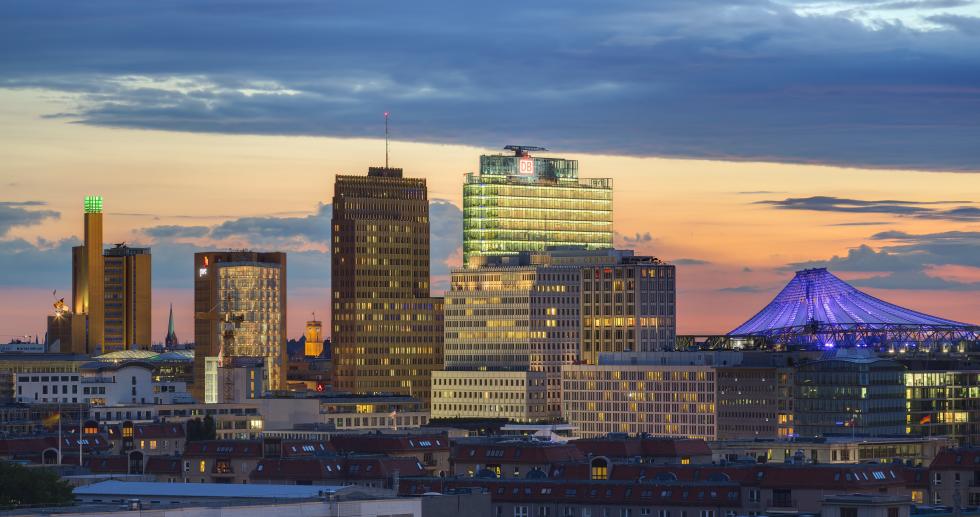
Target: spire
171 340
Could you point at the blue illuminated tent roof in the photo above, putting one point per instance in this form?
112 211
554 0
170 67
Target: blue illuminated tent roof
816 300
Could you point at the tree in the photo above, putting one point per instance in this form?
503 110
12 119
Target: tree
21 486
209 429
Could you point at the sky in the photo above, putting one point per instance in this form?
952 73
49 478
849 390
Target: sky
746 139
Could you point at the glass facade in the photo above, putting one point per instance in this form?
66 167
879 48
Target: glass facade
512 207
944 403
251 314
861 396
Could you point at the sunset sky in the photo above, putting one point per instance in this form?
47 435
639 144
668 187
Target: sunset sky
746 139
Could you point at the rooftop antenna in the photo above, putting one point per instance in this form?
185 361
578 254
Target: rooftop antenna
386 139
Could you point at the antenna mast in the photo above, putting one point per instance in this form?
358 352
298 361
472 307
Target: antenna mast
386 140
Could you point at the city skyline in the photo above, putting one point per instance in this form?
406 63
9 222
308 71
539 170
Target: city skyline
873 242
745 140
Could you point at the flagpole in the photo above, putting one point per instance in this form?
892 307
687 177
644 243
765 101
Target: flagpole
59 435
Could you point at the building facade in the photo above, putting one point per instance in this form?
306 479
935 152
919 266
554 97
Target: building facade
640 393
128 298
852 391
628 307
943 399
88 294
240 311
386 329
755 402
523 203
520 396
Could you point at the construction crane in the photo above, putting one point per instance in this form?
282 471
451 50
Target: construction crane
523 150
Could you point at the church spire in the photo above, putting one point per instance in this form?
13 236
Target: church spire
171 340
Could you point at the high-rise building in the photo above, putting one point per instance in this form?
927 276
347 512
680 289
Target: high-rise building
88 295
240 311
386 329
128 298
314 338
517 314
171 340
628 307
524 203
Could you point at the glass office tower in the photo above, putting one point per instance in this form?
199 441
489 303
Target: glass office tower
524 203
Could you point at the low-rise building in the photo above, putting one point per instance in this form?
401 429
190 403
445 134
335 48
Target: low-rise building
833 449
645 449
432 451
660 394
519 396
484 457
99 384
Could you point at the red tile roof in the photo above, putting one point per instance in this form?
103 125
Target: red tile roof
339 468
294 448
586 492
852 476
643 447
224 449
158 431
389 443
163 465
956 459
515 452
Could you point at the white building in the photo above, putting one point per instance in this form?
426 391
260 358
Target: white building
99 384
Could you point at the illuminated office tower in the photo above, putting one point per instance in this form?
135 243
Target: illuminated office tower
513 314
128 298
521 202
314 338
386 330
88 295
240 311
628 307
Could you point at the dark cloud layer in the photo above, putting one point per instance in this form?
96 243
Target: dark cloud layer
172 248
22 213
904 260
921 209
736 79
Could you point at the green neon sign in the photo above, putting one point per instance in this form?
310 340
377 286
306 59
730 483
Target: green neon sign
93 204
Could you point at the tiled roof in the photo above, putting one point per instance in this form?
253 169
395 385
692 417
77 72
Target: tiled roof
586 492
957 459
155 431
647 447
224 448
516 452
854 476
163 465
389 443
339 468
293 448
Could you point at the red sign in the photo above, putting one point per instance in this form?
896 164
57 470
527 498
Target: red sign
526 166
321 387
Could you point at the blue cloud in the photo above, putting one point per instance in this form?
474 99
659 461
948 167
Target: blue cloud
22 213
738 79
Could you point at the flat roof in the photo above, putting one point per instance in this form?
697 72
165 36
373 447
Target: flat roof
137 489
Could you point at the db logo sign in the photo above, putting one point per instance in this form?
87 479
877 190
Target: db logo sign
526 167
320 387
